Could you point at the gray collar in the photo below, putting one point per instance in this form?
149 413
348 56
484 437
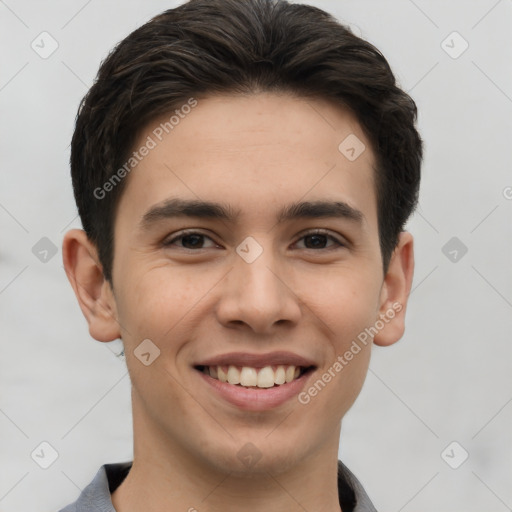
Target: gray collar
96 497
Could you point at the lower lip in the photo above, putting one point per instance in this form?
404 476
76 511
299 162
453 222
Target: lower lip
256 399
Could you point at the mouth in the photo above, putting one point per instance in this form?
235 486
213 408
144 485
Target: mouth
255 382
251 377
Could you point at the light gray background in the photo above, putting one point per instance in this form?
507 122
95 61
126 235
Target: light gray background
448 379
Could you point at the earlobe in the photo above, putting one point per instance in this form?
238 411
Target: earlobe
92 290
395 292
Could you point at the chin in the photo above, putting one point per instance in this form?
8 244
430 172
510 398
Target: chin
255 455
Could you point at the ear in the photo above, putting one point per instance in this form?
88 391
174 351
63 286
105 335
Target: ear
395 292
92 290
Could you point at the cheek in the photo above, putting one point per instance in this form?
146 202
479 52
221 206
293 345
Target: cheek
151 303
346 301
155 305
351 317
347 306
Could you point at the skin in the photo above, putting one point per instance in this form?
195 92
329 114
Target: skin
255 153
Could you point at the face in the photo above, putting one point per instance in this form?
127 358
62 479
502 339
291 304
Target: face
270 283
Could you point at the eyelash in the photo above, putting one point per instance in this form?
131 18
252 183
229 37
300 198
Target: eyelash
321 232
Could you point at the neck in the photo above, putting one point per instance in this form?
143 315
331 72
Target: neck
166 476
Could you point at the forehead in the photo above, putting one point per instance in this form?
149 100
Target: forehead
254 153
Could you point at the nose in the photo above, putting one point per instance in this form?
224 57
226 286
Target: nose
258 295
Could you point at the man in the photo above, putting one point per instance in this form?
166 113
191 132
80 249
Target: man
243 171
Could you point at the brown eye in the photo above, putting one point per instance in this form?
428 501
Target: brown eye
315 241
189 240
319 240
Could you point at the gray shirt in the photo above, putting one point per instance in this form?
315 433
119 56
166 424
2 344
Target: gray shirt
96 497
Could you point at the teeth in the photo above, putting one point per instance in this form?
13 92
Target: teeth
266 377
290 372
233 375
280 377
221 374
247 376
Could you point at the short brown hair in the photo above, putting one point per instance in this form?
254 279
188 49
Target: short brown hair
205 47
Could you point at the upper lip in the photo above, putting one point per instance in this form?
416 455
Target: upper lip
257 360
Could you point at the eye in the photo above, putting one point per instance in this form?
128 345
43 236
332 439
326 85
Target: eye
317 240
190 240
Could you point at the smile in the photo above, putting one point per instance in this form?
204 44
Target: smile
257 378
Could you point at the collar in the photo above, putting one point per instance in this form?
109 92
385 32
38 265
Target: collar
97 495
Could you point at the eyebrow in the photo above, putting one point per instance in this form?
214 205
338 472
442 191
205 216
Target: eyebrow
172 208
